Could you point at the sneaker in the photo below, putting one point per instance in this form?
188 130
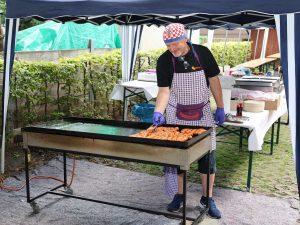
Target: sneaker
176 203
213 211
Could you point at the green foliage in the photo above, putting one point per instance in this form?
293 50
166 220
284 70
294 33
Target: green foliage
28 22
81 86
235 53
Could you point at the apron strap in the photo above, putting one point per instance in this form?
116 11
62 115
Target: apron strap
176 106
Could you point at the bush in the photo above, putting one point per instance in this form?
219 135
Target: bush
81 86
235 53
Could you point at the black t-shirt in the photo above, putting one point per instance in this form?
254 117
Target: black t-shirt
164 67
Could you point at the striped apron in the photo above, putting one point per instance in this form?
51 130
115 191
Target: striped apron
187 89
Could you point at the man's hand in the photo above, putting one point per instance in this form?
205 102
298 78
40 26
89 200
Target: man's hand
158 119
220 116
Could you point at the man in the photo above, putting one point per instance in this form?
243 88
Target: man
184 74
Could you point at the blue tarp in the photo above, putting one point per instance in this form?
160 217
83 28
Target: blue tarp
57 36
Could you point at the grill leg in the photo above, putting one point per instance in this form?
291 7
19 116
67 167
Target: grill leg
208 180
184 199
65 169
26 152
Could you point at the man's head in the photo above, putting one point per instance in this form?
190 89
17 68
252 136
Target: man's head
175 38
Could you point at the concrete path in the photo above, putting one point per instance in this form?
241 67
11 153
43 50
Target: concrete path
136 189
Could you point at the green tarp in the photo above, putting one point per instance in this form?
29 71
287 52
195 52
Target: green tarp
58 36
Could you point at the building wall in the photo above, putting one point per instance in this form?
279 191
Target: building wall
272 45
152 38
55 55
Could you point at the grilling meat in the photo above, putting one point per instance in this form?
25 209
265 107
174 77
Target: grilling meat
168 133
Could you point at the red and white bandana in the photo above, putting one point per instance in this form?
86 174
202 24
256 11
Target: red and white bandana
174 32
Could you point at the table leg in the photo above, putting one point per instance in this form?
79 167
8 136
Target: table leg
272 139
249 171
278 130
241 138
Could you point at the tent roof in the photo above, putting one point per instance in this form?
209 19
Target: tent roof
202 13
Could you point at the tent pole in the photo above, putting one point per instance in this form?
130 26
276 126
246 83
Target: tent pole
12 26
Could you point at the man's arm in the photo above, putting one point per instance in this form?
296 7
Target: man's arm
162 99
216 91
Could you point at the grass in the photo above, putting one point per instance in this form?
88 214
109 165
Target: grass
272 175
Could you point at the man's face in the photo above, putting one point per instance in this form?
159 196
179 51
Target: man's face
177 48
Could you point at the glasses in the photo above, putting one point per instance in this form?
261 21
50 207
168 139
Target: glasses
185 63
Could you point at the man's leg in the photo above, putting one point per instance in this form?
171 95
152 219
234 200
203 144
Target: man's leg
180 183
204 184
177 201
203 167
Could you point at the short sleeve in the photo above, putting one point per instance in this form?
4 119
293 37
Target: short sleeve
163 72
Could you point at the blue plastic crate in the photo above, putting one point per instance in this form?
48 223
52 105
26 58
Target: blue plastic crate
144 111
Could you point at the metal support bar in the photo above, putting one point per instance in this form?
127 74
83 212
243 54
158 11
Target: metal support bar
249 171
230 131
171 215
48 192
125 96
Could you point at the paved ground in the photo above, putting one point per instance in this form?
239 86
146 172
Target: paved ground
136 189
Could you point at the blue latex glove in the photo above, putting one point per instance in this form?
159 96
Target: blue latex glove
158 119
220 116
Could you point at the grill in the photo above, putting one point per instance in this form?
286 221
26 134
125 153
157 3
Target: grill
111 130
111 139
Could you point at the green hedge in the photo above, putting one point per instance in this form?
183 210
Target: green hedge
235 52
81 86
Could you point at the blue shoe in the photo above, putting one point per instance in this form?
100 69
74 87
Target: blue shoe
213 211
176 203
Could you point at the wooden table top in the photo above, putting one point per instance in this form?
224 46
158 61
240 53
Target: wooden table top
256 63
276 56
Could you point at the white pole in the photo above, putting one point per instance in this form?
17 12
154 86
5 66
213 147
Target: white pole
264 44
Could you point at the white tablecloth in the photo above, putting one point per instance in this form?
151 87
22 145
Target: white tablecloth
150 89
259 124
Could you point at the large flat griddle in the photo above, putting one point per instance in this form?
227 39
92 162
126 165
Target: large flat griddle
110 130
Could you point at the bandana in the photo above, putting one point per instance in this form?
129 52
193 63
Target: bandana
174 32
